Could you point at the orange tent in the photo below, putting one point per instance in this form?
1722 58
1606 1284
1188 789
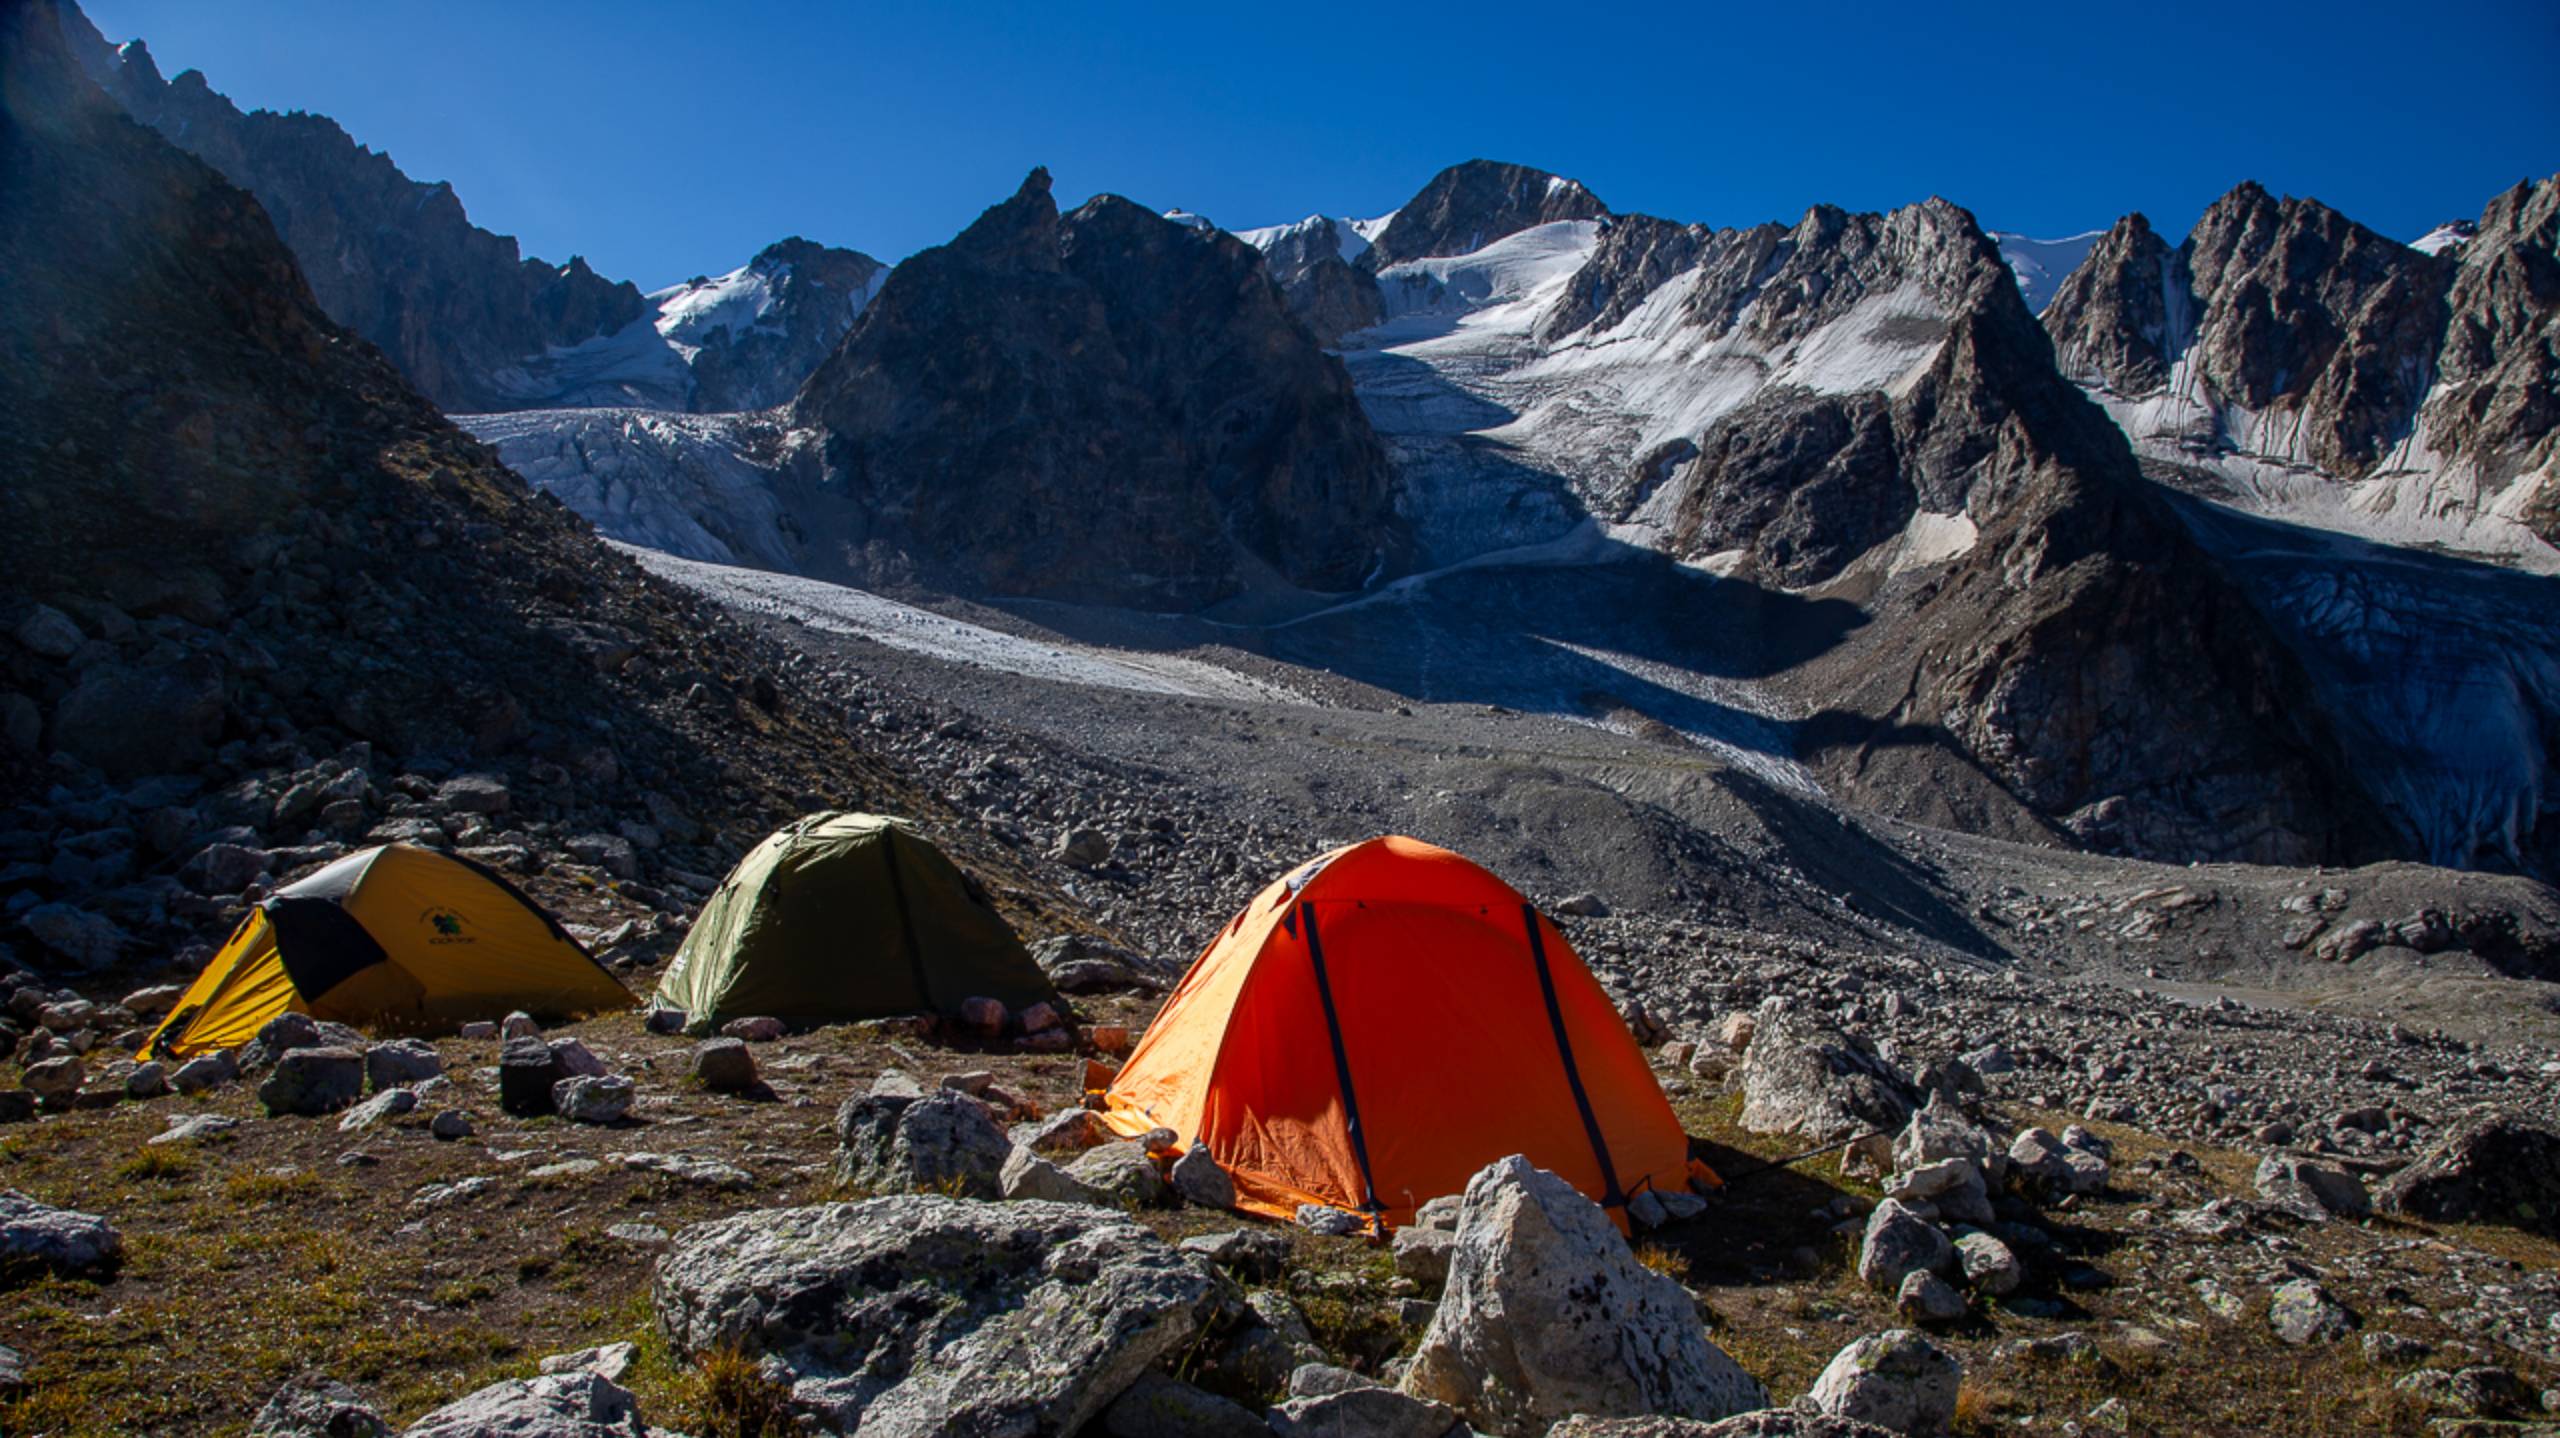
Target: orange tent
1382 1023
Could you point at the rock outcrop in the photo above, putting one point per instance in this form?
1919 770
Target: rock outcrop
1469 206
1107 407
918 1314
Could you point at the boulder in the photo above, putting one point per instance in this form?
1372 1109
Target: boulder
919 1314
188 1127
1898 1243
571 1058
1063 1134
608 1360
1939 1130
1546 1313
2302 1312
379 1109
2045 1161
1990 1267
54 1081
2497 1170
1123 1171
278 1036
35 1236
1422 1254
1364 1412
2313 1192
204 1071
80 939
555 1405
313 1081
592 1098
1896 1380
1927 1298
1804 1075
314 1406
1254 1254
527 1072
944 1143
1953 1185
724 1065
1200 1181
401 1063
1027 1175
1081 849
760 1029
136 721
1159 1407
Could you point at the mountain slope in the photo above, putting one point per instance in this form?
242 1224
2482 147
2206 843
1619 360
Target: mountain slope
242 557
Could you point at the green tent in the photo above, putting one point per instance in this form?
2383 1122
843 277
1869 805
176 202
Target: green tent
847 916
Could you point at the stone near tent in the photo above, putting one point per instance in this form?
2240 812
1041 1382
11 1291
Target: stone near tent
1327 1222
1081 849
1940 1130
1583 906
54 1081
593 1098
400 1063
2493 1170
1899 1243
1026 1175
1896 1380
555 1405
1805 1075
1547 1313
58 1240
571 1058
1199 1180
450 1124
1065 1133
526 1072
760 1029
920 1314
314 1406
474 794
1108 1038
311 1082
153 1002
2313 1192
1122 1170
80 939
477 1030
1041 1018
519 1025
942 1143
1422 1254
1254 1254
983 1016
1952 1185
664 1020
724 1065
277 1037
206 1071
380 1109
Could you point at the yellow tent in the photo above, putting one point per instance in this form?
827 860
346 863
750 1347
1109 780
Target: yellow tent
396 938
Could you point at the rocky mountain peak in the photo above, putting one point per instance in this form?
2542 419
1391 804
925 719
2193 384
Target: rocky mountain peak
1107 406
1468 206
2110 317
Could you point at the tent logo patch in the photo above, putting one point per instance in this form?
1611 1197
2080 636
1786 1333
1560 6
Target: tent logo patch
445 927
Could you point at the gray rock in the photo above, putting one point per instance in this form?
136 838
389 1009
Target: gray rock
133 721
919 1314
1200 1181
1122 1170
1546 1313
313 1081
54 1080
1896 1380
1026 1175
1364 1413
758 1029
278 1036
401 1063
1939 1130
1422 1254
609 1360
571 1058
1442 1212
593 1098
724 1065
1804 1075
2047 1162
450 1124
473 794
2302 1312
314 1406
1583 906
1249 1253
80 939
1927 1298
61 1240
527 1071
555 1405
49 632
1159 1407
187 1128
204 1071
944 1143
1081 849
224 868
149 1079
2492 1170
1063 1134
2311 1191
1899 1243
1325 1221
1953 1185
1990 1268
379 1109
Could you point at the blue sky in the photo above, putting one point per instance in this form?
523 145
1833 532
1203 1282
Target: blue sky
664 140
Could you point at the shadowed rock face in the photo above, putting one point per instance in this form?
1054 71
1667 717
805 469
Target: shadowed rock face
1466 207
392 259
2497 401
1330 295
817 292
1106 407
2110 318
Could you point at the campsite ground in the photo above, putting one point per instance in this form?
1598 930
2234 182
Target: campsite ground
284 1245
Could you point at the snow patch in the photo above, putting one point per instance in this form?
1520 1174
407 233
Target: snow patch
1931 539
2042 265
